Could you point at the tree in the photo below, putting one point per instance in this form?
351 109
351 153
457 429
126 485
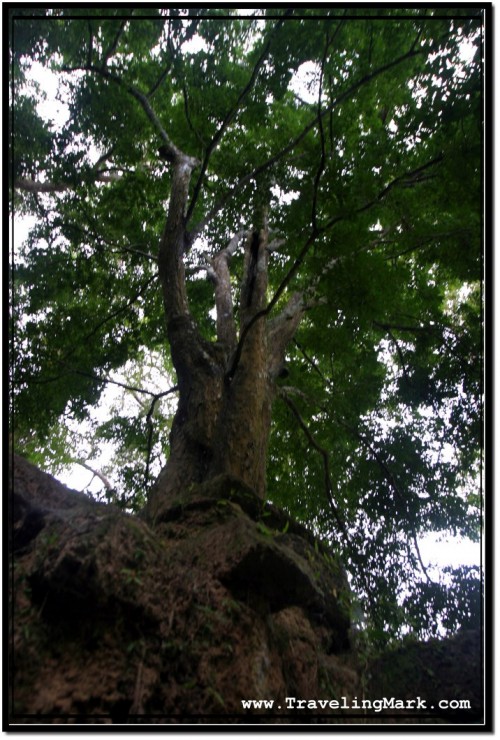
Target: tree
316 176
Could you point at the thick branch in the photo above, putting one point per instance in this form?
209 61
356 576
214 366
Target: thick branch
173 244
174 153
280 331
34 186
174 238
307 246
226 328
254 283
263 312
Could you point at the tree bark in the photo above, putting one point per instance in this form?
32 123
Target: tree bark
242 433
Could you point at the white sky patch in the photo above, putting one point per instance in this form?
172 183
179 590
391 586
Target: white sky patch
454 551
51 108
283 196
305 82
194 45
19 228
467 51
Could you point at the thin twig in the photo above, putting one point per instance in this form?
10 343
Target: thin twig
387 473
321 168
329 492
91 43
326 463
149 424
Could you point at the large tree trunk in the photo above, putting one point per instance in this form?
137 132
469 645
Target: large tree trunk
226 388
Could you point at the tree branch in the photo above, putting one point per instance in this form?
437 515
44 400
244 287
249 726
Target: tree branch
174 240
321 166
160 79
96 474
311 362
91 43
399 352
34 186
172 50
149 424
280 331
305 249
387 473
114 44
175 154
226 327
401 327
120 309
125 386
134 250
188 116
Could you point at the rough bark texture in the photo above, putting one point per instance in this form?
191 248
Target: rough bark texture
240 444
227 600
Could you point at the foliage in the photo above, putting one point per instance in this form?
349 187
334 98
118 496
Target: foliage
377 154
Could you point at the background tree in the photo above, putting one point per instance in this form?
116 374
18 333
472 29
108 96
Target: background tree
313 175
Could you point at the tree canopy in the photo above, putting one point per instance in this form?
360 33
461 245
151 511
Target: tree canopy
359 130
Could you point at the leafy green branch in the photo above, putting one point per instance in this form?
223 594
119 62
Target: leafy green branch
395 488
269 163
231 114
326 462
378 458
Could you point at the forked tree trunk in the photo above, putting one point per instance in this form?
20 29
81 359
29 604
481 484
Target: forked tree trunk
226 388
